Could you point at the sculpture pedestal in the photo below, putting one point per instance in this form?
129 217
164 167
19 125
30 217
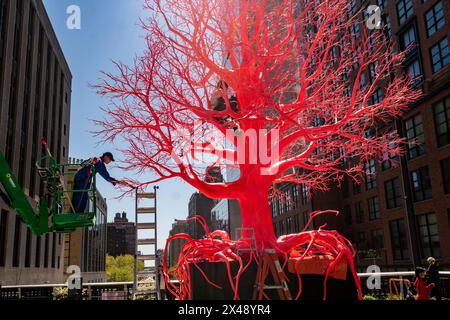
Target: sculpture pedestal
338 289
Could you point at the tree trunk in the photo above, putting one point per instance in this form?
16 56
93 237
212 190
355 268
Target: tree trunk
256 214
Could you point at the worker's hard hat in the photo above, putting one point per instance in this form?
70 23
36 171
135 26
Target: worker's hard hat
109 155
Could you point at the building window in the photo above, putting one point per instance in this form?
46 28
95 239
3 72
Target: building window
445 167
434 18
404 10
414 71
356 187
275 207
393 196
347 92
362 82
371 177
377 96
441 112
429 238
3 20
373 71
348 215
361 241
288 201
289 225
408 37
280 206
37 107
374 208
14 84
387 29
415 135
352 7
46 250
359 212
377 239
366 15
355 30
334 55
386 165
37 260
345 188
3 236
440 56
304 193
389 157
382 3
295 195
370 133
17 241
296 223
28 249
398 240
53 262
421 184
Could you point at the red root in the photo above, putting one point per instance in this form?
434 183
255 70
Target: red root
217 247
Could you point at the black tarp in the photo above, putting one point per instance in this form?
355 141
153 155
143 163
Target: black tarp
312 285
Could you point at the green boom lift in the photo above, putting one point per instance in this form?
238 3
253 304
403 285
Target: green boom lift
59 216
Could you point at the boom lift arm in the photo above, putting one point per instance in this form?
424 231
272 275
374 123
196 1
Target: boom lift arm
38 220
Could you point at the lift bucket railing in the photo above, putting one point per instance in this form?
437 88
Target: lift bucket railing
60 181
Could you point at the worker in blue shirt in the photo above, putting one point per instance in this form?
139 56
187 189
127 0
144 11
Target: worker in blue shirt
83 179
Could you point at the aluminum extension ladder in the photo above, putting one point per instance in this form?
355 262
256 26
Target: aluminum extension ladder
146 282
269 262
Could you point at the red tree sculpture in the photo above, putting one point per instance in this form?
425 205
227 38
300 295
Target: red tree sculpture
276 90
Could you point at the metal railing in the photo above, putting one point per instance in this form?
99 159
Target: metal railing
91 291
385 290
94 291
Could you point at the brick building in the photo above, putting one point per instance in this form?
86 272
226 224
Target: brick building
401 214
35 93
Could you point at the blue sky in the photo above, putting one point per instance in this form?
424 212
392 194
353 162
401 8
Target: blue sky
109 31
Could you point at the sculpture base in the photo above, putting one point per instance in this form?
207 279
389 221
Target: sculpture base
312 284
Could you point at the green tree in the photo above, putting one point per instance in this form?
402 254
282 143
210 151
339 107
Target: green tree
120 268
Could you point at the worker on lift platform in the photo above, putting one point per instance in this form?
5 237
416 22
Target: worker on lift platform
83 179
